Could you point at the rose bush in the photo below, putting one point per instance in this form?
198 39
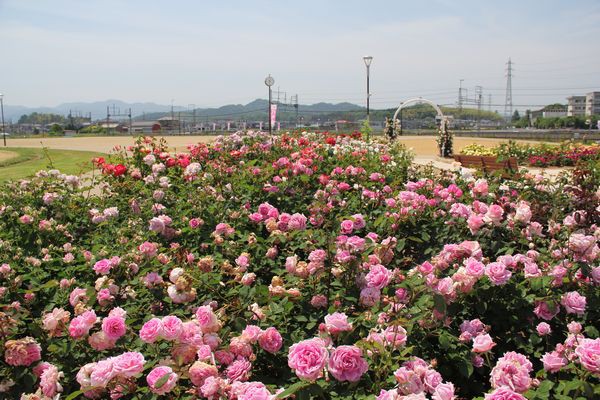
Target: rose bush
312 265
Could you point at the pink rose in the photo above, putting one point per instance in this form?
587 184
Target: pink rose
297 222
114 327
103 266
336 323
308 358
512 370
347 226
207 319
483 343
474 267
543 329
102 373
171 327
504 393
443 391
148 249
347 364
475 222
494 214
545 311
378 276
152 330
129 364
588 352
22 352
199 371
239 370
553 361
270 340
574 303
157 374
498 273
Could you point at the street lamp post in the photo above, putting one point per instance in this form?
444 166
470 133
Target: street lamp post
269 81
2 111
367 60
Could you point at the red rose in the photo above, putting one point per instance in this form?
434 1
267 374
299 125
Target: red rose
119 170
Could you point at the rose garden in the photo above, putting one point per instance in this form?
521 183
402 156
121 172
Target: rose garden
299 266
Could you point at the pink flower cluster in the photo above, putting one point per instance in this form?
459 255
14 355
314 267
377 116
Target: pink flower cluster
95 377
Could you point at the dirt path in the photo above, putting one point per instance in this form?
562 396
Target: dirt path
421 145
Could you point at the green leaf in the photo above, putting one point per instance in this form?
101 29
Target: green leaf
465 368
163 379
293 389
74 395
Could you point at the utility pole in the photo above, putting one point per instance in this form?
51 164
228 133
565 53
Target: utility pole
489 102
130 126
460 96
478 96
107 120
508 103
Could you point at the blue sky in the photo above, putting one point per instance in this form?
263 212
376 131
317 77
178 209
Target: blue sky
212 53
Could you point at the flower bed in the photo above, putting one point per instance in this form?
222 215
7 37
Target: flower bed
309 265
565 154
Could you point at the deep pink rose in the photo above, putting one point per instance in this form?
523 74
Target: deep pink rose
378 276
308 358
347 364
151 331
114 327
270 340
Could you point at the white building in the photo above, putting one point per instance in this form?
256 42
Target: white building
592 103
576 105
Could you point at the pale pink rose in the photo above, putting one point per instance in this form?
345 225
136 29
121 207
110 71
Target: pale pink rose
102 373
388 395
297 222
251 333
148 249
588 353
504 393
378 276
574 303
308 358
77 295
199 371
483 343
523 212
270 340
474 267
498 273
243 261
239 370
574 327
553 361
207 319
347 364
480 188
49 381
22 352
129 364
543 329
157 374
114 327
395 336
100 342
171 327
359 221
248 278
494 214
512 370
475 222
443 391
336 323
151 331
431 379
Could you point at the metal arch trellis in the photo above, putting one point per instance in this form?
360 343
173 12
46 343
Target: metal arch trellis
444 141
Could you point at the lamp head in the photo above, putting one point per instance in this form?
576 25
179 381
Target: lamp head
367 60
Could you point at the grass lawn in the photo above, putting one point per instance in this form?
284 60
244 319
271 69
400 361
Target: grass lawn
28 161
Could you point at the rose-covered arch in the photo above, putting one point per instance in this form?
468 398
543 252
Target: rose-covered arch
445 138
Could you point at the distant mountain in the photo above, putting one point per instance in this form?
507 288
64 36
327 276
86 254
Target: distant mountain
148 111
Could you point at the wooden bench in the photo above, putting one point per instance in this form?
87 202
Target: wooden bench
489 164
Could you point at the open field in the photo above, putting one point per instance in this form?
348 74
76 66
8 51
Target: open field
421 145
16 163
